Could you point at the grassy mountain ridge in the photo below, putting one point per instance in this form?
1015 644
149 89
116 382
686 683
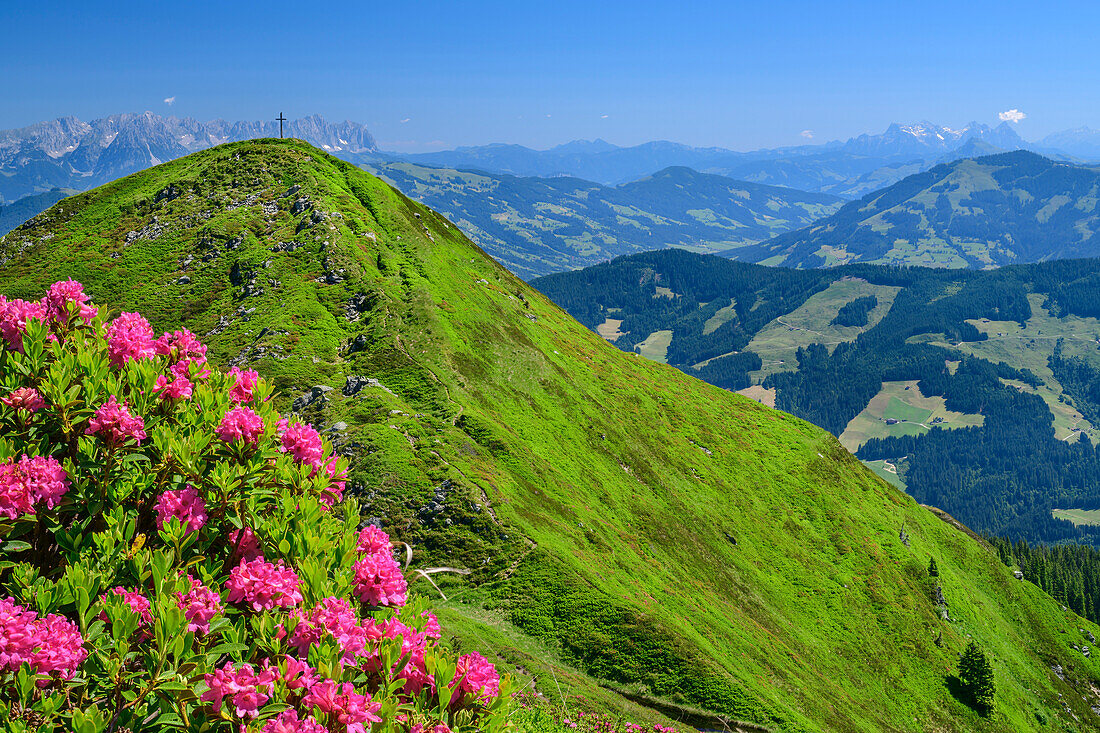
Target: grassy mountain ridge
989 211
977 390
623 520
17 212
535 226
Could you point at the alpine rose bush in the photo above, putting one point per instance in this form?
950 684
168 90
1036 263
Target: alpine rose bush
177 555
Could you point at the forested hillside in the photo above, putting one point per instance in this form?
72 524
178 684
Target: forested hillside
536 226
978 391
993 210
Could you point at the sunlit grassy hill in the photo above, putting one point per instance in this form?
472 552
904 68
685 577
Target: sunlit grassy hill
627 525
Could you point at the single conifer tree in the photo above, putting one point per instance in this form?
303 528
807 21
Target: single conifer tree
932 569
976 674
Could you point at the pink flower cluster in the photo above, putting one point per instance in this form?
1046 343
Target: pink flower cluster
372 539
116 424
343 705
240 423
244 382
180 388
183 504
138 603
331 617
414 645
200 605
180 346
60 295
304 443
182 350
245 544
264 585
289 722
49 645
379 581
477 677
28 481
247 691
14 315
24 398
129 337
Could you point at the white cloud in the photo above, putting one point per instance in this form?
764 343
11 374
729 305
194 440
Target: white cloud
169 101
405 120
808 134
1012 115
547 116
603 117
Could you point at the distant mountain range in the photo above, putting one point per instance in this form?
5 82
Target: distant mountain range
993 210
849 169
536 226
586 201
71 153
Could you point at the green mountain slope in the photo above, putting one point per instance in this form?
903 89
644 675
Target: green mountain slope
536 226
979 391
625 523
17 212
995 210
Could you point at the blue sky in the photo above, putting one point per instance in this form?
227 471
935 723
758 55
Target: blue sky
428 75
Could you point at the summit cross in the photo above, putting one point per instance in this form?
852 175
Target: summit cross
281 120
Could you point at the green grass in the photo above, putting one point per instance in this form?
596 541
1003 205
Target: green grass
778 342
595 495
902 401
1029 346
1078 516
880 469
655 346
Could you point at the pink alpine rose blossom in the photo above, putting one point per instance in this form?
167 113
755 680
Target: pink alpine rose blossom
28 481
138 603
57 299
343 705
263 585
247 691
379 581
26 399
298 675
245 544
331 617
115 424
304 443
289 722
337 482
200 605
129 337
180 345
49 645
476 676
431 627
182 368
244 382
372 539
183 504
14 315
178 388
240 424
